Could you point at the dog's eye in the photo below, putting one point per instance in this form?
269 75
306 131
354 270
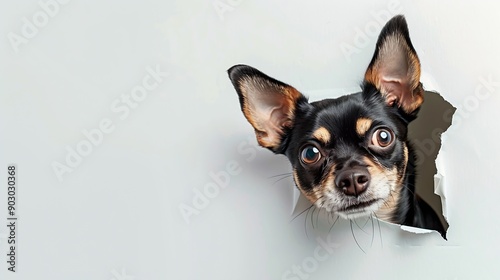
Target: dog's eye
310 154
382 137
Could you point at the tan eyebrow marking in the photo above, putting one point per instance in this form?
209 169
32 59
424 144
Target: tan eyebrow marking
362 126
322 134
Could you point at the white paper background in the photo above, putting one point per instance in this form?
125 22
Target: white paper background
116 215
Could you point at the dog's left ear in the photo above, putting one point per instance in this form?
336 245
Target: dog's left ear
395 68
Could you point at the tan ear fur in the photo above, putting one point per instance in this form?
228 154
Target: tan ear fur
395 67
268 104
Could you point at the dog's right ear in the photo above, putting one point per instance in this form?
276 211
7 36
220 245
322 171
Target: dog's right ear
269 105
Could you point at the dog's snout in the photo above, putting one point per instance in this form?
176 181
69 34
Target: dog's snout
353 181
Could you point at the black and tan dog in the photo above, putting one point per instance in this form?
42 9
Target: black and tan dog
350 155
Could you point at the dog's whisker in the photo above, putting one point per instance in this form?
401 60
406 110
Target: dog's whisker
319 212
366 221
355 222
379 230
283 178
312 215
333 224
355 239
279 175
373 231
301 213
305 223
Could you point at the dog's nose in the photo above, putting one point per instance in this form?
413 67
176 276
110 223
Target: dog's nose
353 181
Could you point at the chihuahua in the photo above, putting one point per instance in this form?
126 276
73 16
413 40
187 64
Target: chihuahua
350 155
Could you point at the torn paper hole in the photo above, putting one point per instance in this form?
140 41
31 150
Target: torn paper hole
425 133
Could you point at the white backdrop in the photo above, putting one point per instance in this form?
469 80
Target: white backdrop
134 161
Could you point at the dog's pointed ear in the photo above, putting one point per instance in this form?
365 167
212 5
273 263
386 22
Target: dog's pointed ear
395 68
268 104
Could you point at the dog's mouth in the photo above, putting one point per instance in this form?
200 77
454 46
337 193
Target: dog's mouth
359 205
360 208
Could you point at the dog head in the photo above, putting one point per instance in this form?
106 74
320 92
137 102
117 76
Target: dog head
349 155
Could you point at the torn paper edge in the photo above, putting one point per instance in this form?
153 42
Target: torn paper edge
439 189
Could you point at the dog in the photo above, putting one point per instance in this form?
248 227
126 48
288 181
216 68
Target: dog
350 155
